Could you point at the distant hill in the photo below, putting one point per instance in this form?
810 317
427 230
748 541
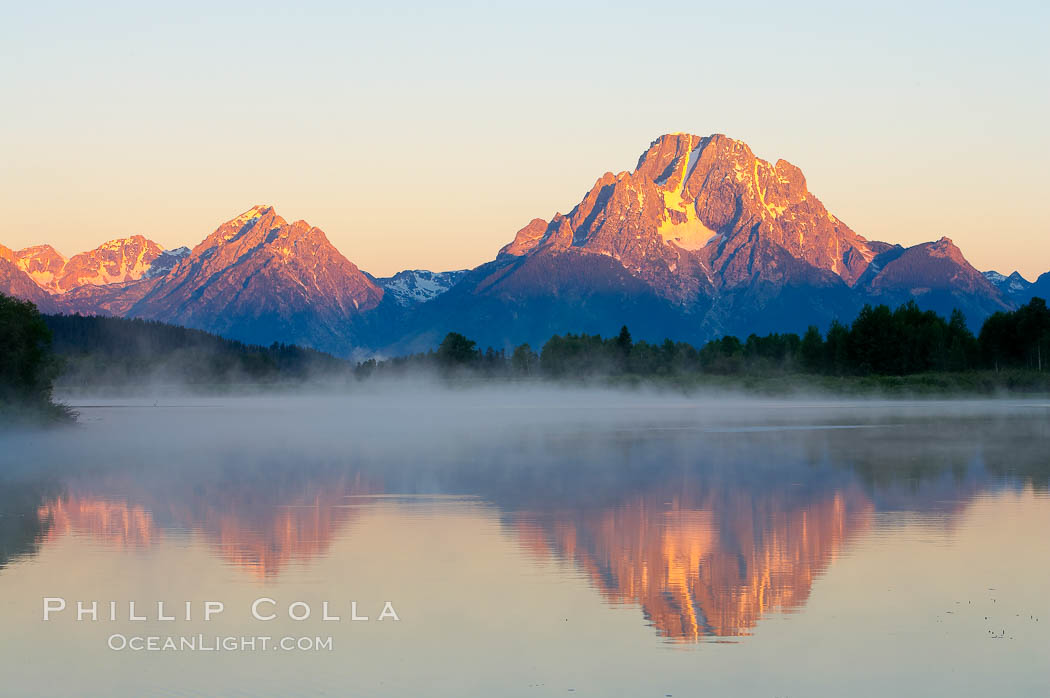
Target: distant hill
123 352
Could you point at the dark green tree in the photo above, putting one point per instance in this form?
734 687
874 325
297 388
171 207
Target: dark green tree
27 364
457 350
1018 339
812 351
524 361
962 345
624 341
836 349
873 344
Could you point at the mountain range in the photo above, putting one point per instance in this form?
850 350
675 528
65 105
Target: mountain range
701 239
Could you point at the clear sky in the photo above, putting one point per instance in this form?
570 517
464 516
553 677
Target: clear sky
419 136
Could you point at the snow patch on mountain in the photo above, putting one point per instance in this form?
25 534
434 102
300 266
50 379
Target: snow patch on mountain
415 286
679 223
1014 284
995 277
166 262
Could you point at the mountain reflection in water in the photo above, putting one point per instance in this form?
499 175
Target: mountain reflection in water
257 527
700 564
705 531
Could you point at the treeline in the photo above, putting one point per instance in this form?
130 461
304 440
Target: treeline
27 366
110 351
901 342
72 351
879 342
1020 339
908 340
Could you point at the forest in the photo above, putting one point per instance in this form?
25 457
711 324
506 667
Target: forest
903 349
119 351
28 366
880 341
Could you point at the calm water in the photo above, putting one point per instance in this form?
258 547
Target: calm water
534 543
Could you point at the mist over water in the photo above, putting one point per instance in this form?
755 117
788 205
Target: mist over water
539 539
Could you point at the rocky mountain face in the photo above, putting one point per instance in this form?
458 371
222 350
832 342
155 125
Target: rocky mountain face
701 239
108 299
43 264
260 279
165 262
100 281
702 214
116 261
104 281
14 281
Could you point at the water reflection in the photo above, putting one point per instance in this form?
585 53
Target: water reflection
699 560
116 523
22 529
257 526
707 531
702 562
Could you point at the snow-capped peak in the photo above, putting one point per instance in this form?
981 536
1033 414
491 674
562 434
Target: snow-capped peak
1014 283
995 277
414 286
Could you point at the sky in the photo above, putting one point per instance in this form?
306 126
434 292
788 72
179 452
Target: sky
425 136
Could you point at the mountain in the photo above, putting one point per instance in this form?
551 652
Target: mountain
166 261
698 215
116 261
117 298
703 238
100 281
43 264
14 281
107 299
1041 287
1014 283
529 298
260 279
1018 289
256 278
414 286
935 275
